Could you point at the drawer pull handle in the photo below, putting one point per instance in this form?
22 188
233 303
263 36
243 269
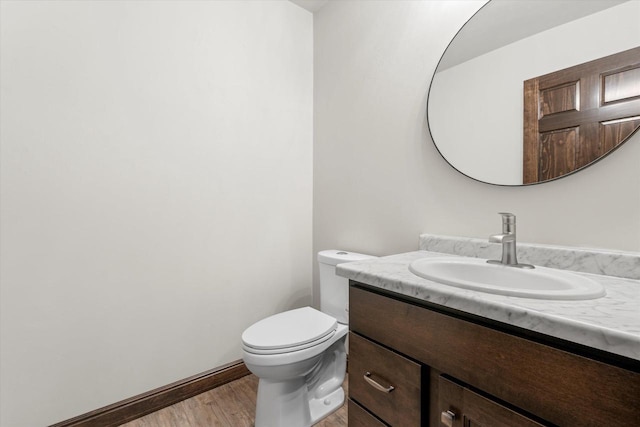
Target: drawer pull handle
376 385
447 417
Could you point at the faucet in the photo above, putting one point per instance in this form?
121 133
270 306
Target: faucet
508 240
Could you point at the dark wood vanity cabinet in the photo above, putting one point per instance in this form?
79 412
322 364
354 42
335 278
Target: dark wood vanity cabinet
450 370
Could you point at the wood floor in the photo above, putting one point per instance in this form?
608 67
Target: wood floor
230 405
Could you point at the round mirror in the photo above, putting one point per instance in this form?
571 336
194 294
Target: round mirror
529 91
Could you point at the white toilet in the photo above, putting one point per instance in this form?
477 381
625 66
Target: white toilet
300 356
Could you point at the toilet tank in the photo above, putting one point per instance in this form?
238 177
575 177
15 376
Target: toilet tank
334 290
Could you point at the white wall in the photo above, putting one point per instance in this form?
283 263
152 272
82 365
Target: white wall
379 181
466 91
156 192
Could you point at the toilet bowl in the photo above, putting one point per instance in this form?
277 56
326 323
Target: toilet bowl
300 356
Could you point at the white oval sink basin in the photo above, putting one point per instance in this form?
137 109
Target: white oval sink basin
476 274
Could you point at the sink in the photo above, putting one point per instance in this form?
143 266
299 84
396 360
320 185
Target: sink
476 274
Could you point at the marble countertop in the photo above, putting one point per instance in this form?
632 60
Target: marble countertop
610 323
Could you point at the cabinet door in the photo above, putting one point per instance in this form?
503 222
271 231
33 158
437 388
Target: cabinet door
358 417
462 407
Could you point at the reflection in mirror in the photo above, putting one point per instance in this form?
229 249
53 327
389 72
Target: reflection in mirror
575 116
476 99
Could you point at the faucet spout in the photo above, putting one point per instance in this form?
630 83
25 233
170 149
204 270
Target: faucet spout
508 241
502 238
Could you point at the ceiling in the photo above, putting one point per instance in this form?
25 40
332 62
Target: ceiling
310 5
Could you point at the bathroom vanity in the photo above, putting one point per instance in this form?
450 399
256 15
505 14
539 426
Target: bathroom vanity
426 354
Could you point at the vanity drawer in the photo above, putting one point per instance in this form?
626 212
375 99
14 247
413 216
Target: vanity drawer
384 382
358 417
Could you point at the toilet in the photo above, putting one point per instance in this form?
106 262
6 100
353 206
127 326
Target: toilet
299 355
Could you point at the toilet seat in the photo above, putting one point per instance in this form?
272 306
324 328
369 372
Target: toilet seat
289 331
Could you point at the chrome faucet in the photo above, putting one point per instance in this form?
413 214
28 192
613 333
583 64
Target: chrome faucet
508 240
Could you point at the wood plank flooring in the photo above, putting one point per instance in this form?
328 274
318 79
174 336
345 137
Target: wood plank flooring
230 405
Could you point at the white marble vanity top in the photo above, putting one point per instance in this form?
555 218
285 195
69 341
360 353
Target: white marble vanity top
610 323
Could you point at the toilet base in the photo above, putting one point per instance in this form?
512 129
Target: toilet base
288 404
321 408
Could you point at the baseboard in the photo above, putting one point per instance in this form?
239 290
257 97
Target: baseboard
151 401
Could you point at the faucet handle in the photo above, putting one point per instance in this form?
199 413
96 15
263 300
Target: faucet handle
507 217
508 222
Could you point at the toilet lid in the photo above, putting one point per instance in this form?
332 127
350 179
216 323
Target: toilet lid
292 328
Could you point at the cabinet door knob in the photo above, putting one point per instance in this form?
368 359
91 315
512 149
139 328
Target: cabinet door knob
446 418
377 385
